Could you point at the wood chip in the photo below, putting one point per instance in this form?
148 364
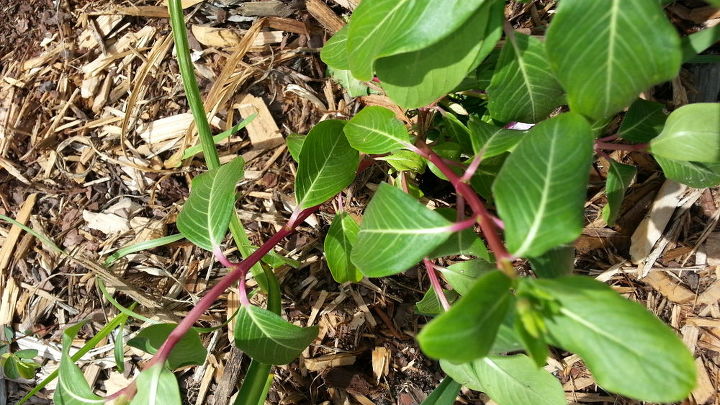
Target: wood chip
705 391
264 132
712 249
669 287
325 16
226 37
380 362
711 294
651 228
330 361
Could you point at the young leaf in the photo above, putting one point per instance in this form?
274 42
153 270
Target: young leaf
619 178
462 276
491 140
692 132
294 145
354 87
416 79
465 242
72 389
157 386
468 329
376 130
605 53
694 174
430 305
643 121
187 352
523 87
405 160
525 328
540 190
327 164
339 242
556 262
388 27
335 53
268 338
206 214
444 394
511 380
396 233
606 330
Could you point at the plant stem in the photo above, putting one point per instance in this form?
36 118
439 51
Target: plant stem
435 282
237 273
502 257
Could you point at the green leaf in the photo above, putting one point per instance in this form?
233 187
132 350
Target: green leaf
430 305
388 27
694 174
523 87
187 352
643 121
447 150
467 331
692 132
465 242
396 232
511 380
556 262
485 176
540 190
335 53
444 394
72 389
206 214
418 78
10 366
695 43
326 166
507 339
462 276
268 338
626 348
453 128
294 144
119 349
157 386
605 53
619 178
526 329
405 160
490 140
26 354
376 130
339 243
354 87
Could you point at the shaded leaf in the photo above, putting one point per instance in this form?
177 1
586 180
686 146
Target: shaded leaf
187 352
607 330
338 246
157 386
397 232
491 140
462 276
354 87
540 192
206 214
619 178
326 166
430 305
605 53
643 121
523 87
388 27
694 174
268 338
511 380
556 262
473 320
416 79
405 160
376 130
691 133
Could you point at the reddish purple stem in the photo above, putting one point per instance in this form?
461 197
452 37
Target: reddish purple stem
435 282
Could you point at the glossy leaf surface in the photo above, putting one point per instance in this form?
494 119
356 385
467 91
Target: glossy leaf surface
691 133
206 214
540 191
376 130
326 166
397 231
694 174
339 243
490 140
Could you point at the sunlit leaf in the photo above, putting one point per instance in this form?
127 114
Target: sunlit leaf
605 52
335 53
540 191
694 174
491 140
72 388
294 145
157 386
376 130
206 214
444 394
691 133
397 232
188 351
268 338
326 166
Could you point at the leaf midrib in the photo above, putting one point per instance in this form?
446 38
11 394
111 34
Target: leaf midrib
265 332
323 166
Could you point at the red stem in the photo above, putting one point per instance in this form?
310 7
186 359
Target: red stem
435 282
239 270
484 218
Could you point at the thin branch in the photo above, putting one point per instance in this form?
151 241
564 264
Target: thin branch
435 282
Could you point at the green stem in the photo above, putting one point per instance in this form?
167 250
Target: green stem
104 332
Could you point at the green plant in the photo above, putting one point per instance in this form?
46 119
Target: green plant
597 56
17 364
